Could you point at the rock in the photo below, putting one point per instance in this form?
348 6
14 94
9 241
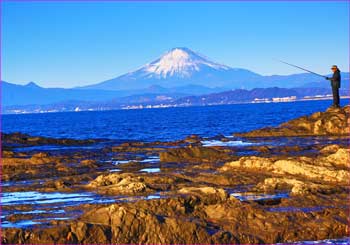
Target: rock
340 158
293 167
194 154
89 163
144 226
60 184
329 149
301 166
119 183
331 122
25 139
7 154
207 194
258 163
296 187
193 139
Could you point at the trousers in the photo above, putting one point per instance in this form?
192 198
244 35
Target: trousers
335 91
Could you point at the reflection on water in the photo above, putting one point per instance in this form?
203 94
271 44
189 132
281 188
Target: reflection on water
150 170
296 209
115 170
38 208
258 197
151 159
340 241
33 197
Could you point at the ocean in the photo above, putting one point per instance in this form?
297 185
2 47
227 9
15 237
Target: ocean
165 124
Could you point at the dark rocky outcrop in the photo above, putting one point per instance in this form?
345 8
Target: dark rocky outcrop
27 140
195 154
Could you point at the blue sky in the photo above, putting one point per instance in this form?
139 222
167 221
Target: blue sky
67 44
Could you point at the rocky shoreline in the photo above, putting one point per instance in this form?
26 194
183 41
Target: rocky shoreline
281 185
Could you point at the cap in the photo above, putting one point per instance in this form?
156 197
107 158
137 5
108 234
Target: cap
334 67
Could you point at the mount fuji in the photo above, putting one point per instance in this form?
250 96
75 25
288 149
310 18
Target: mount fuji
181 67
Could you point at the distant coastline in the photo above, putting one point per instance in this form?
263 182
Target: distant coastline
289 99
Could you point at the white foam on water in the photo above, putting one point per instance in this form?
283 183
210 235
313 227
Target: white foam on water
146 160
150 197
151 159
150 170
115 170
120 162
257 197
207 143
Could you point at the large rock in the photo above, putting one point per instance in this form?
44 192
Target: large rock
324 168
334 121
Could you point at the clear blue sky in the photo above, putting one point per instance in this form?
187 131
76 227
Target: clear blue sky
67 44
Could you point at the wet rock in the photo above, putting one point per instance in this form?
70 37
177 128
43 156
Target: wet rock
43 165
331 122
27 140
193 139
194 154
60 184
89 163
7 154
140 147
36 159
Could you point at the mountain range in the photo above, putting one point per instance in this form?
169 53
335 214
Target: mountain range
183 67
178 73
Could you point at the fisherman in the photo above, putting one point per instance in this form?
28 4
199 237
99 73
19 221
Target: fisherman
335 83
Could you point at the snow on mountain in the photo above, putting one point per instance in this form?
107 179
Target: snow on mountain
178 67
181 62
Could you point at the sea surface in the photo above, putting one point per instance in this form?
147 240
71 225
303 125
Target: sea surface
166 124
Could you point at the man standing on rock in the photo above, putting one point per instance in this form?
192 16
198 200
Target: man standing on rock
335 83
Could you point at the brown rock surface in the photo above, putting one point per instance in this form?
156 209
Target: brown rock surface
324 168
334 121
116 183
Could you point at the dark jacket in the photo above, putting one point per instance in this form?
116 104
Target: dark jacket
335 79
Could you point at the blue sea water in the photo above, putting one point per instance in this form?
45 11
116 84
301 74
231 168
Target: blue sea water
165 124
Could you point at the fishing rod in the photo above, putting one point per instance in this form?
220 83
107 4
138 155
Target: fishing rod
302 68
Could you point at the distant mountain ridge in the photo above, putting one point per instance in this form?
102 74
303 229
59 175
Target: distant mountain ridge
32 94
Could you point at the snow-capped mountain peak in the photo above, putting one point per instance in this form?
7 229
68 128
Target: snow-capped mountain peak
179 62
180 67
